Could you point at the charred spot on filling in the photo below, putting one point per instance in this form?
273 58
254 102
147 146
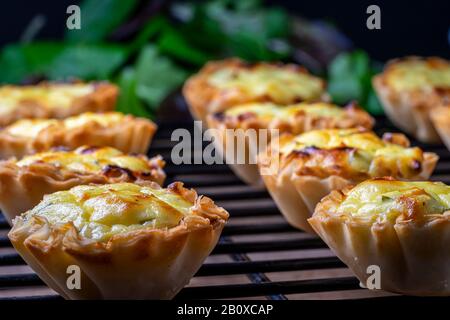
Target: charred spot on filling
116 171
265 98
90 150
246 116
298 99
146 173
442 91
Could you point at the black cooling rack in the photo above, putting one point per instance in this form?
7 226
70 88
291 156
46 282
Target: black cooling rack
259 255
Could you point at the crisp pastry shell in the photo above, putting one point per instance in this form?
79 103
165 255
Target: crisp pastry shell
297 195
203 98
102 99
131 135
140 264
22 188
413 258
410 110
440 116
248 171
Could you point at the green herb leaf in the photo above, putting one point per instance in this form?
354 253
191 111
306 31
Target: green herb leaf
150 29
87 62
99 18
156 76
174 44
373 105
349 78
128 101
21 60
250 30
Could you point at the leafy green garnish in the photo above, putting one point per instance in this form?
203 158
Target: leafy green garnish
58 61
170 44
174 44
148 31
349 78
87 62
18 61
152 78
235 28
128 101
156 76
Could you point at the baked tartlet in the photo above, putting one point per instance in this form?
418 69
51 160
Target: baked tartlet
410 89
295 119
55 100
401 227
314 163
124 132
24 183
130 241
440 116
223 84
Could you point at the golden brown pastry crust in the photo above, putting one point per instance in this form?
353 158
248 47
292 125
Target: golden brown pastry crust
23 187
130 135
140 264
410 109
203 98
299 123
297 187
440 116
102 99
411 254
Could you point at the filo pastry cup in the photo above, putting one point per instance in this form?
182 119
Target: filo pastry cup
440 116
409 90
124 132
258 122
301 170
401 230
24 183
129 241
223 84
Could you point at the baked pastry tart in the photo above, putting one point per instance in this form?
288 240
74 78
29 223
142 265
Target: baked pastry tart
124 132
55 100
295 119
314 163
129 241
410 89
223 84
24 183
440 116
402 228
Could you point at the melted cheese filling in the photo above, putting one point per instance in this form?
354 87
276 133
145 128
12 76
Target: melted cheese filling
86 161
269 111
280 84
50 96
99 212
367 146
410 75
30 128
385 200
104 119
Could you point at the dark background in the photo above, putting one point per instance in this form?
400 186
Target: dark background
408 27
